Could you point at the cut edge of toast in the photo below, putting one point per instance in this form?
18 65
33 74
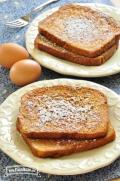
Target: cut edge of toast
45 45
66 135
55 148
75 50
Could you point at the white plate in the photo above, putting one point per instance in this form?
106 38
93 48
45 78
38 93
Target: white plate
112 66
12 144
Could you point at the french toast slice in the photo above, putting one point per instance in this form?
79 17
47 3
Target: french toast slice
55 148
63 112
81 30
45 45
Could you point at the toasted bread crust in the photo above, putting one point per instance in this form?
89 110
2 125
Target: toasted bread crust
81 30
43 44
55 148
63 112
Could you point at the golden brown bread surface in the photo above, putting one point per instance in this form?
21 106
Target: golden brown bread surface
81 30
56 148
63 112
44 44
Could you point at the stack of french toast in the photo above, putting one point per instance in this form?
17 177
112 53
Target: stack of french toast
79 34
61 120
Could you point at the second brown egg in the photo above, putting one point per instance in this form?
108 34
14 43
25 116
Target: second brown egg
25 72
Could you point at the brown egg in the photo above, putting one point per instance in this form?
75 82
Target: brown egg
11 53
25 72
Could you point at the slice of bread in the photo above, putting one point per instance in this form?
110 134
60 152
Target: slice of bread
44 44
81 30
56 148
63 112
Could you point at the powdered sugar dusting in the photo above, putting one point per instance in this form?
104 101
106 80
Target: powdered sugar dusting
58 109
84 29
63 110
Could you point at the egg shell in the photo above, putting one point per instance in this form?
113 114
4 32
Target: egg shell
11 53
25 72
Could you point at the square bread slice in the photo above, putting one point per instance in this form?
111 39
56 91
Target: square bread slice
81 29
56 148
63 112
45 45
